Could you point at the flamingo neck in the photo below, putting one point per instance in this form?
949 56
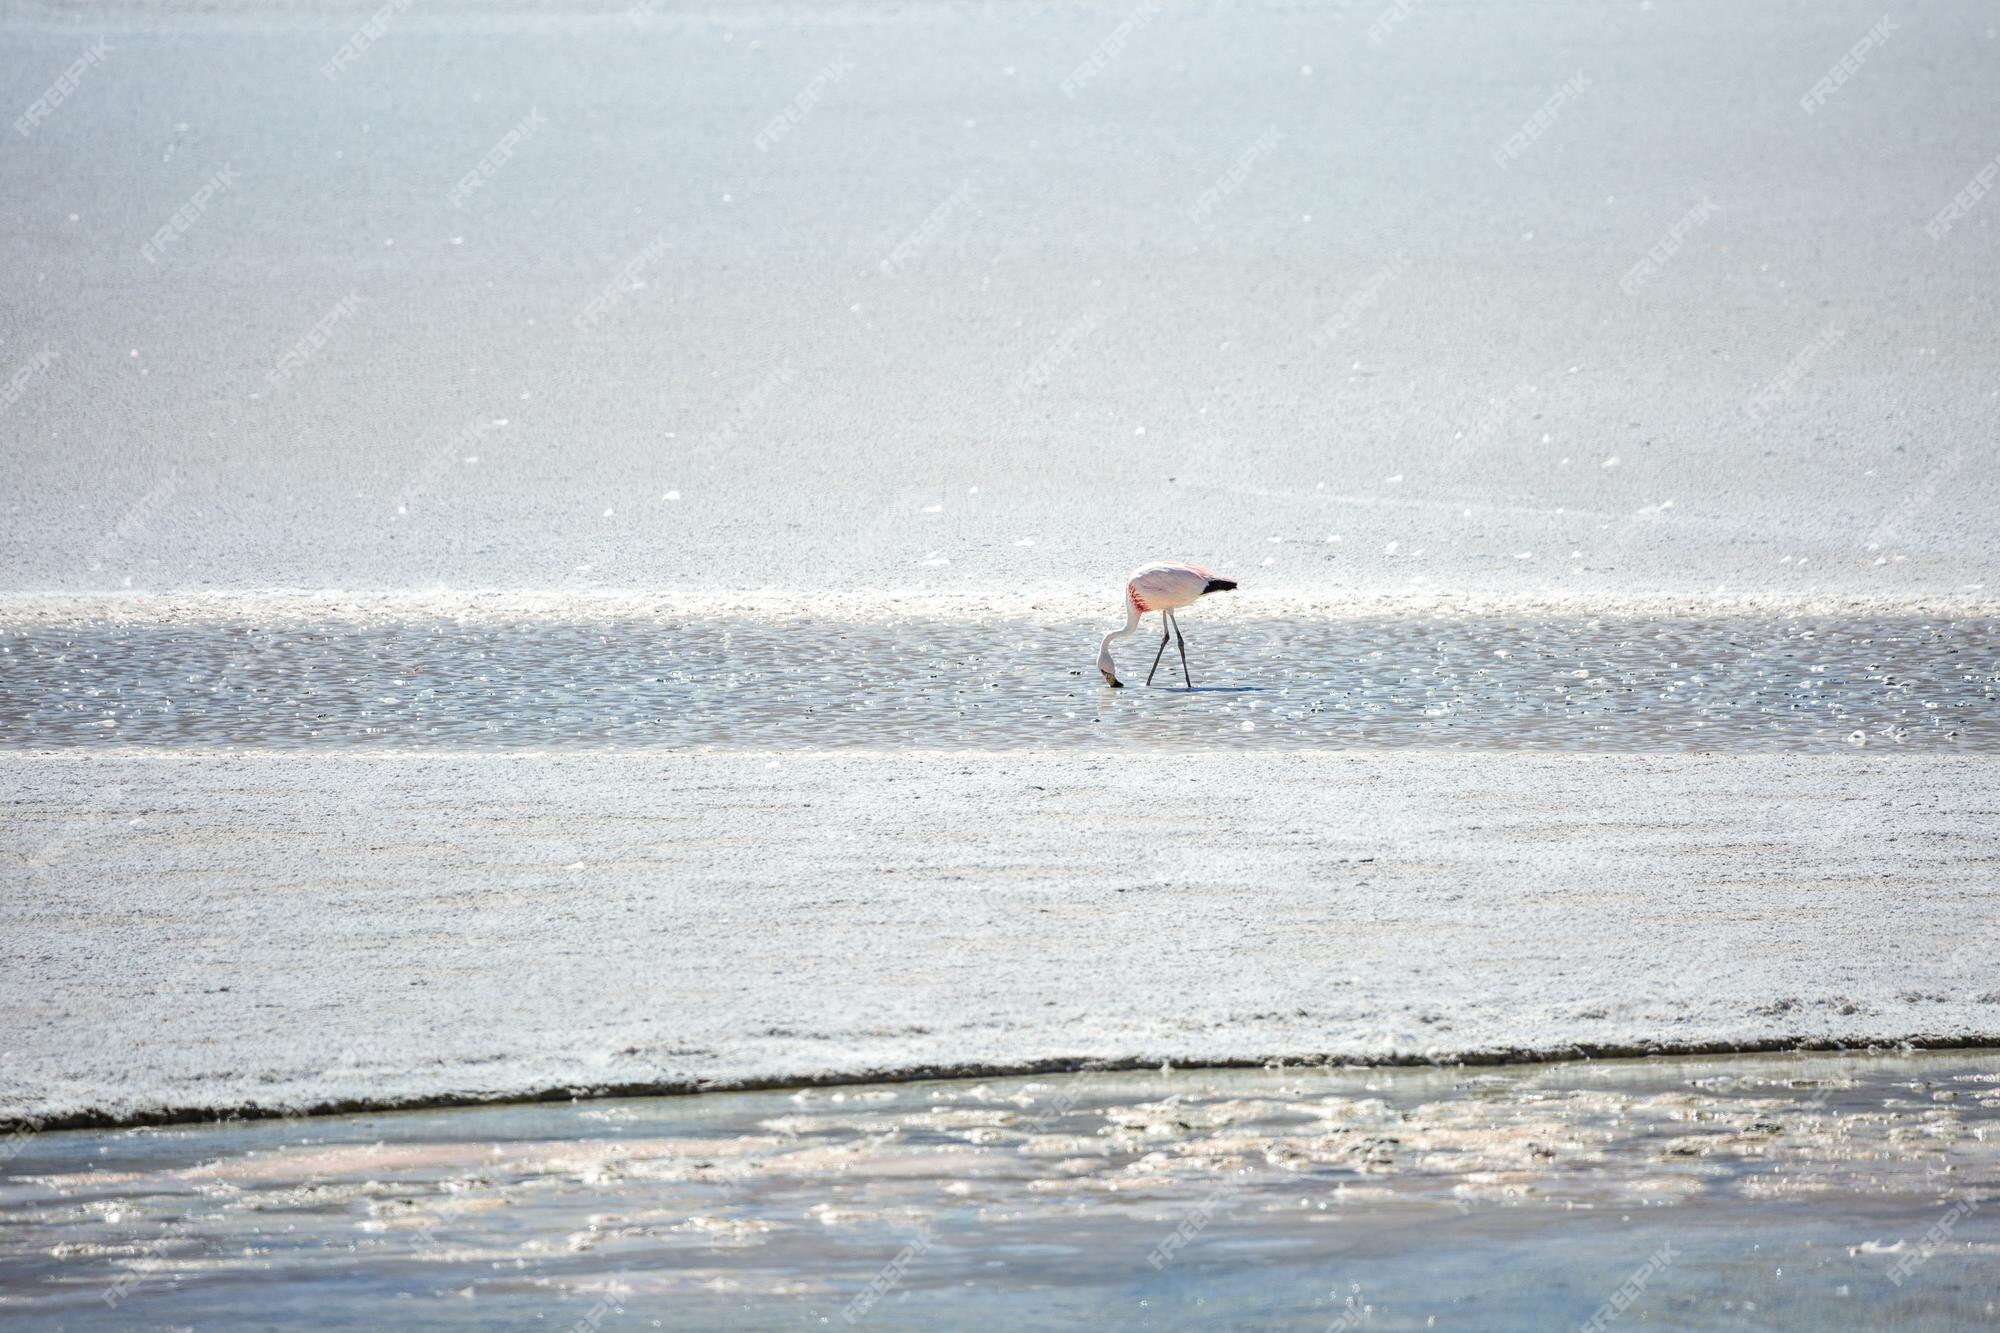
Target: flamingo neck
1131 627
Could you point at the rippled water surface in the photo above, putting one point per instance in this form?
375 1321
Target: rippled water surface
1839 1191
1599 684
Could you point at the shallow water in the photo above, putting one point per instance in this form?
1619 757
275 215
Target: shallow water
1564 684
1739 1192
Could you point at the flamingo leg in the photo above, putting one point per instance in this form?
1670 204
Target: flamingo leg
1163 647
1183 647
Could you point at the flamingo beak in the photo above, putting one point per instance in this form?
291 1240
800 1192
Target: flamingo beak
1111 680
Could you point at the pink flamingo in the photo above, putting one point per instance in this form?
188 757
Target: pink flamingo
1164 586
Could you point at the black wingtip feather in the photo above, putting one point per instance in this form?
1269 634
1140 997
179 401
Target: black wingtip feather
1219 585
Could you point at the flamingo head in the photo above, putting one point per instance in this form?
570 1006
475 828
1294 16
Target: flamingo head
1105 666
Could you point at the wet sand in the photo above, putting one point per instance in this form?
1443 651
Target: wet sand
1752 1192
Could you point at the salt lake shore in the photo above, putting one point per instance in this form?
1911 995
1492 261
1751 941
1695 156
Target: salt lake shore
476 658
202 932
1387 374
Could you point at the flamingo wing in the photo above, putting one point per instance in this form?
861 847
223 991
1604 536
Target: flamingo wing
1167 585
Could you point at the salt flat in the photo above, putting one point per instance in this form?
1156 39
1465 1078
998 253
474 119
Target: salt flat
957 327
195 932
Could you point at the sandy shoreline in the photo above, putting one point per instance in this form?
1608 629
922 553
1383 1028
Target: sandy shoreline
204 931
